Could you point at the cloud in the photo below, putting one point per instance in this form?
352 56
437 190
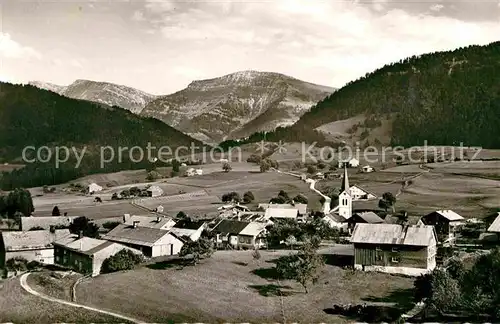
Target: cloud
436 7
12 49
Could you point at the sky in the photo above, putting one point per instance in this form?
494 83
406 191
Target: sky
160 46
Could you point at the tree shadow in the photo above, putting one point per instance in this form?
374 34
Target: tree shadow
169 264
401 298
272 290
267 273
370 314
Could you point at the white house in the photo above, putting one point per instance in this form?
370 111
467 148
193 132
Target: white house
154 191
351 163
151 221
188 228
190 172
367 169
152 242
335 220
93 187
282 213
358 193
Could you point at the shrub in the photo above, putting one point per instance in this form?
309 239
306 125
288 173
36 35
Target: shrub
110 225
248 197
123 260
16 264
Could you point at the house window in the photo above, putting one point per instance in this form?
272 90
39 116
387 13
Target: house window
395 249
395 259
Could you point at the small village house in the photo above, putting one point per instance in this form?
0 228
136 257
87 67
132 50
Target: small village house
152 242
391 248
281 213
495 227
239 234
151 221
193 172
358 193
93 188
302 208
335 220
363 218
446 222
367 169
189 229
319 176
30 245
84 254
30 222
154 191
349 163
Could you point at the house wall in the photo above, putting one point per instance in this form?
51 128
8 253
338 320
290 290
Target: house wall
79 262
380 257
167 245
40 255
359 194
441 224
196 235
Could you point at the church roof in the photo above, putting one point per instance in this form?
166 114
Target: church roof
345 181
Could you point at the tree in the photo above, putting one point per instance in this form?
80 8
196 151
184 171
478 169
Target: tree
311 169
248 197
134 191
98 200
55 211
123 260
181 215
456 269
301 199
85 226
176 166
283 194
110 225
201 249
291 241
264 165
226 167
446 295
115 196
231 197
17 201
303 267
388 201
16 264
254 158
153 176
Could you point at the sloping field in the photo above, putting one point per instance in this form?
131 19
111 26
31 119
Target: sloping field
231 287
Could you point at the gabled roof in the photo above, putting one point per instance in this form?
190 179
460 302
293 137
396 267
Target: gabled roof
155 188
229 226
281 213
336 217
449 215
143 236
148 221
364 189
253 229
302 208
394 234
31 240
189 224
370 217
30 222
495 226
180 232
85 245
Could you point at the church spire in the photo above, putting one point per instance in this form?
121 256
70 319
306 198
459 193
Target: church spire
345 181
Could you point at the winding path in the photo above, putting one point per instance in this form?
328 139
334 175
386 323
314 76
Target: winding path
24 284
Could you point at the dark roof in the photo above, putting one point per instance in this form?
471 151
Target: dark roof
229 226
189 224
145 236
369 217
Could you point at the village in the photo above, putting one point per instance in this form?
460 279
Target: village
356 230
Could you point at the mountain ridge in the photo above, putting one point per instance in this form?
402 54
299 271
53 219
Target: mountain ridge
236 104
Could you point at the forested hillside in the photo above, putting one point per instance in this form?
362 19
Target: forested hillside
444 98
33 117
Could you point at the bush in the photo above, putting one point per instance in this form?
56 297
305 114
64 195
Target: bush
248 197
254 158
110 225
34 265
123 260
16 264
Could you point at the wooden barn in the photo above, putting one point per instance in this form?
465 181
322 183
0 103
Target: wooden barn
392 248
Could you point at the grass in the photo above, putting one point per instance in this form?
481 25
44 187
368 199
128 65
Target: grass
233 287
18 306
53 284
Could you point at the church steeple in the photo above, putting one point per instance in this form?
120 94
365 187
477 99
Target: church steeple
345 181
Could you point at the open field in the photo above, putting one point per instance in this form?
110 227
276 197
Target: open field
232 287
18 306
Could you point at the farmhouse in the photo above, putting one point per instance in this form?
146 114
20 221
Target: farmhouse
85 254
364 218
358 193
446 223
151 221
30 245
281 213
188 228
302 208
319 176
334 220
154 191
495 226
152 242
27 223
239 234
367 169
93 188
391 248
350 163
